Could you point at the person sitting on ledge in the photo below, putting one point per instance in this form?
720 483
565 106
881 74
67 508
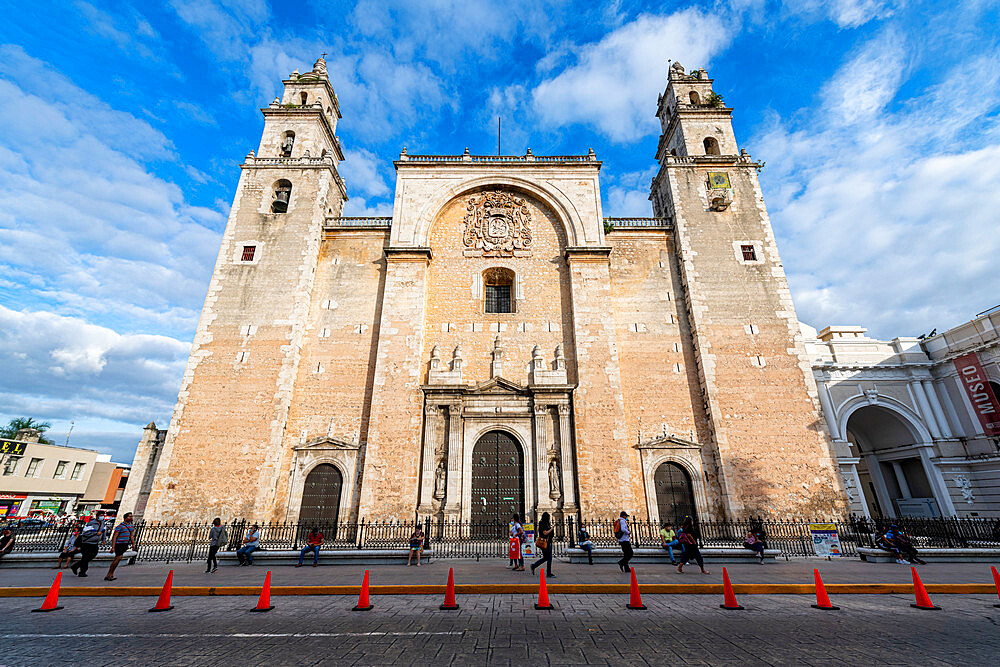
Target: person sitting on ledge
250 544
754 544
586 544
313 542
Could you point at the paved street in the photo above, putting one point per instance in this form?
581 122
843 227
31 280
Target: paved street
493 571
504 629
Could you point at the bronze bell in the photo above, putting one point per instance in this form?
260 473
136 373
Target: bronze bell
280 204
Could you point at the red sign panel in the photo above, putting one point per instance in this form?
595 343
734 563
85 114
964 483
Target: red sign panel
980 393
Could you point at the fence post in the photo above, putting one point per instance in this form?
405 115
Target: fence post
361 538
427 533
572 533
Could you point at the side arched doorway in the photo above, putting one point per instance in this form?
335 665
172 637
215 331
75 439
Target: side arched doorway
895 480
321 499
674 493
497 483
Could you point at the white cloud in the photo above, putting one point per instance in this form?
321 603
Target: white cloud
90 228
886 212
359 207
56 366
614 84
360 171
628 195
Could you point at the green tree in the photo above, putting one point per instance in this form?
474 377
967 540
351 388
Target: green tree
17 423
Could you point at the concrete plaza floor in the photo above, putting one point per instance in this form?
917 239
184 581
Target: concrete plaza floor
848 570
504 630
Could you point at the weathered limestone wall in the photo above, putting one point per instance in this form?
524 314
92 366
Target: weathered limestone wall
334 384
659 375
773 447
608 469
392 448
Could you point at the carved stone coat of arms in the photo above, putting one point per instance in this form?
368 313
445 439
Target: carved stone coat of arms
497 224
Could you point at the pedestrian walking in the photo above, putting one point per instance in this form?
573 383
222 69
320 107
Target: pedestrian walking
70 549
416 544
250 543
217 537
668 538
89 542
516 539
543 540
121 541
6 542
689 541
624 536
586 544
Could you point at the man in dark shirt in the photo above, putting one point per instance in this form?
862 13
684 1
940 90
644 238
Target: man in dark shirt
6 542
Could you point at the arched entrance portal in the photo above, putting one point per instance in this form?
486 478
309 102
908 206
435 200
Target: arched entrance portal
497 483
894 478
674 495
321 499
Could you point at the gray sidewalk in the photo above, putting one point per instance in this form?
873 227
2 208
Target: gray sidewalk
504 630
494 571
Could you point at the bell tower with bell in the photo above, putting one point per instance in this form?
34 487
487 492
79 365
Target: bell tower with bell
237 389
757 390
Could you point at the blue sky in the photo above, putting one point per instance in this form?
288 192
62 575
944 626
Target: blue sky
122 128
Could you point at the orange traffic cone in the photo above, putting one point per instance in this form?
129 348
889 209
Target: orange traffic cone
923 600
363 603
634 600
543 593
51 601
163 604
264 603
996 581
727 589
449 595
822 599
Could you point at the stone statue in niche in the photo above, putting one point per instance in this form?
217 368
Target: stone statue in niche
439 480
497 224
554 480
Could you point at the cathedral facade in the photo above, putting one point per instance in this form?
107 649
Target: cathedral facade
496 345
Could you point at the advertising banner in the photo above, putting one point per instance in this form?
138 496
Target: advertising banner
979 391
826 541
12 447
528 548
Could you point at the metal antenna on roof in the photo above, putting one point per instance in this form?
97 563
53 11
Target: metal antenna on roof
498 135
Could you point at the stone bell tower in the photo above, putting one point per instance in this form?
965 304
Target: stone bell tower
233 405
770 446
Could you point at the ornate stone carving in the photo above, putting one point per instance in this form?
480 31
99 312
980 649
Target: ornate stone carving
965 486
849 488
872 395
439 479
554 493
497 224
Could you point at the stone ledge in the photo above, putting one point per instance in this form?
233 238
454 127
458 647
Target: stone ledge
659 555
936 555
331 557
18 560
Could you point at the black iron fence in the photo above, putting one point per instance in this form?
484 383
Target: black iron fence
464 539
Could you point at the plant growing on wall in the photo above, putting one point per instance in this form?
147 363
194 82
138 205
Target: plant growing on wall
715 100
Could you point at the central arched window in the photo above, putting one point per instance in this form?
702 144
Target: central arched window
694 97
711 146
286 145
498 290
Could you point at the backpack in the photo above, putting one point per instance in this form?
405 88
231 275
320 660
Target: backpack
618 529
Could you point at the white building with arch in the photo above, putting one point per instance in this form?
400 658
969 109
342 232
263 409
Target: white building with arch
913 421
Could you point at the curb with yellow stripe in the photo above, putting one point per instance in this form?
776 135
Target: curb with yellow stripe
500 589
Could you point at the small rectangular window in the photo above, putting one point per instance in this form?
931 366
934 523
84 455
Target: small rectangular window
60 470
77 470
498 299
11 466
33 468
749 253
248 251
